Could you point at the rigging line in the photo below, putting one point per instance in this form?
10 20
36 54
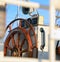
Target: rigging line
17 15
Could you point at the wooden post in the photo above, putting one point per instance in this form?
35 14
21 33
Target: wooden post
2 20
52 25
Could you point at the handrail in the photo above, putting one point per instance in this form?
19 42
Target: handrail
43 39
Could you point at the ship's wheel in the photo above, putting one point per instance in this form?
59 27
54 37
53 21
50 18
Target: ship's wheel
19 42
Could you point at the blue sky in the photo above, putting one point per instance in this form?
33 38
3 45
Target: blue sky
12 11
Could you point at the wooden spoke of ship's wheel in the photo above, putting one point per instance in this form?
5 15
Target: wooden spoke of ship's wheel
18 40
13 40
21 48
